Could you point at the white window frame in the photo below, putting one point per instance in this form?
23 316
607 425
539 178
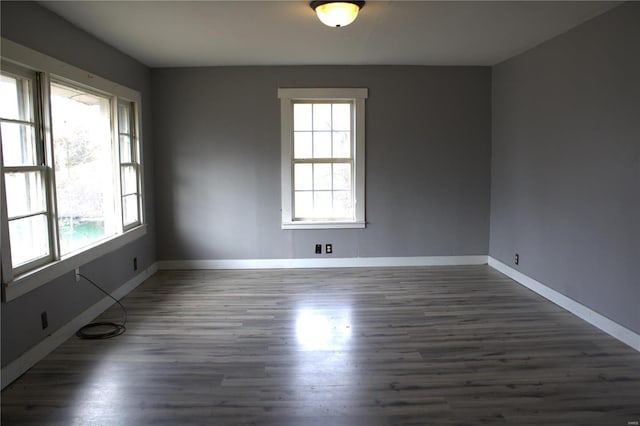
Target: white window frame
134 162
288 97
15 283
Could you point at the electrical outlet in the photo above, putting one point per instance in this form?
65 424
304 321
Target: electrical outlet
77 275
328 248
44 320
516 259
135 263
318 248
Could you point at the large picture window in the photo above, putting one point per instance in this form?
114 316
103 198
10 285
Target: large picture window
322 158
71 186
84 172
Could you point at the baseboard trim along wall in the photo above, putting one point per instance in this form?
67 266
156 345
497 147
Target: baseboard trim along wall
19 366
355 262
27 360
610 327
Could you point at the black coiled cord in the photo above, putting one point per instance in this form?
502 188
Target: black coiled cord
113 329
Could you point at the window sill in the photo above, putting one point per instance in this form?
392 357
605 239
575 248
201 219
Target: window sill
323 225
31 280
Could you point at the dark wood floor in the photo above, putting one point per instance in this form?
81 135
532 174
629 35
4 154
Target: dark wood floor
362 347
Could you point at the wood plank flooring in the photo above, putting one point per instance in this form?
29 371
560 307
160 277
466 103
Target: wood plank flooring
392 346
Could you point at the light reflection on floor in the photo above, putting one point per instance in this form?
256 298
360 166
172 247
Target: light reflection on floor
322 329
102 392
325 376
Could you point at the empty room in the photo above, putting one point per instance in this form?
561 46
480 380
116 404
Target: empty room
320 213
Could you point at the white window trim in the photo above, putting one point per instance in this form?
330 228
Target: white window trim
287 97
15 286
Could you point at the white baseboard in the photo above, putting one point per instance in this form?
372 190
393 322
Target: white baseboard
355 262
610 327
27 360
19 366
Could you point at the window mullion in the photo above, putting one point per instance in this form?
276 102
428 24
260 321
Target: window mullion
24 169
323 160
24 216
12 121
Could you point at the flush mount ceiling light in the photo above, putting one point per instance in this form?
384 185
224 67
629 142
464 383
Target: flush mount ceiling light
337 13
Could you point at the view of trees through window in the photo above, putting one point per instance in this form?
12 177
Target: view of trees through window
84 171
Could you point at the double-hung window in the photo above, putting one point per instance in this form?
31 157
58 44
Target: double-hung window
71 180
24 171
322 158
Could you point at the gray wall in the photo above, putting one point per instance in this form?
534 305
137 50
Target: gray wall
32 26
565 188
217 135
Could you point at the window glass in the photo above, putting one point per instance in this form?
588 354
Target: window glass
18 135
321 144
81 124
302 117
18 144
29 239
25 191
303 177
322 184
341 117
303 145
130 209
17 98
125 149
321 117
341 145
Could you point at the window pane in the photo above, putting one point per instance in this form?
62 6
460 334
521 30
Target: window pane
18 144
125 149
342 204
15 98
130 209
302 145
302 117
321 145
303 204
342 176
124 116
322 204
129 180
84 166
321 177
341 145
321 116
25 193
303 177
341 117
29 239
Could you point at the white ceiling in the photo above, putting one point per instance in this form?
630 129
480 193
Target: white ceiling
211 33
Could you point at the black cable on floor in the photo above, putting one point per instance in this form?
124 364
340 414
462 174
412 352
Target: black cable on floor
114 329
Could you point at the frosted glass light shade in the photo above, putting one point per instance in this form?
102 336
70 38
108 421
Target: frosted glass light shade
337 14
